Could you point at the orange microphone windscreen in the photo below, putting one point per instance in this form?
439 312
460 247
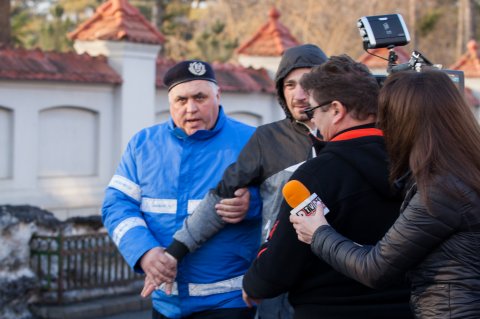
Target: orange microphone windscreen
295 192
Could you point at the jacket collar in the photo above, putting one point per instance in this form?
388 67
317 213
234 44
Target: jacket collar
357 132
200 134
300 127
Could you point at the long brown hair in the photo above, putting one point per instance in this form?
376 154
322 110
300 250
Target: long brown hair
429 129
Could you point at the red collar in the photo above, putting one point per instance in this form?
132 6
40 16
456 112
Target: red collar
348 135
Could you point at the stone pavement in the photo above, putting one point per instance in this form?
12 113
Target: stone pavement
119 307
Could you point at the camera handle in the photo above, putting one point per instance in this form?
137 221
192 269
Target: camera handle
417 62
392 59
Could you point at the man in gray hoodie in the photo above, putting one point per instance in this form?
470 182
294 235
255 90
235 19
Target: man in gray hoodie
267 161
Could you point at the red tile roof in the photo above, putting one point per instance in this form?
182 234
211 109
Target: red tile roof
37 65
117 20
374 62
230 77
270 40
22 64
469 62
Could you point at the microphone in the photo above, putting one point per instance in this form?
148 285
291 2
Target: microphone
299 198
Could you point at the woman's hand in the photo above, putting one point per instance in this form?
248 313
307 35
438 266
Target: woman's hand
249 300
305 226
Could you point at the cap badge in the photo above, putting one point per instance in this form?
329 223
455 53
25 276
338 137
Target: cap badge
197 68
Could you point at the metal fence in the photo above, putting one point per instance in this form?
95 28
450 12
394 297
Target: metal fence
79 263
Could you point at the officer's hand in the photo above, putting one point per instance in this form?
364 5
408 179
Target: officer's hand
159 266
234 210
149 287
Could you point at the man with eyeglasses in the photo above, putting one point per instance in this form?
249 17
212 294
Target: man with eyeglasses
350 175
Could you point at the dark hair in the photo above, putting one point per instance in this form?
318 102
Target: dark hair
429 128
344 80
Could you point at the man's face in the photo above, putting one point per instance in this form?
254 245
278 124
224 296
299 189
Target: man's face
194 105
295 96
323 118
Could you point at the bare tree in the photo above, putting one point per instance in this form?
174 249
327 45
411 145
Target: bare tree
439 28
158 12
461 26
5 29
468 22
465 25
412 12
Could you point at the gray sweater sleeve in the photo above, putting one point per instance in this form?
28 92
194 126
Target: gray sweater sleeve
197 228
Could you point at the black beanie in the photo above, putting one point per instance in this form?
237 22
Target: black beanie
186 71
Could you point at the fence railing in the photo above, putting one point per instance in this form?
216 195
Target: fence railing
76 264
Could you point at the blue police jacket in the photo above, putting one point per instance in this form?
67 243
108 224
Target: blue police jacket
162 176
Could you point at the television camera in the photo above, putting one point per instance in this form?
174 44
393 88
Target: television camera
389 31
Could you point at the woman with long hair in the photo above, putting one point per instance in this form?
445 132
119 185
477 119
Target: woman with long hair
433 141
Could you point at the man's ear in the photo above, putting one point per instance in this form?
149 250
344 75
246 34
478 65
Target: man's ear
339 111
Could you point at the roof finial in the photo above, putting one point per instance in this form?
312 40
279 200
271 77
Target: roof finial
117 4
472 46
273 13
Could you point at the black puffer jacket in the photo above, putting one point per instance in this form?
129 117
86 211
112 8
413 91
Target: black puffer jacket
439 245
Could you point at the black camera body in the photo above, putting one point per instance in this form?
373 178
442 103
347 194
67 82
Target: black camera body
383 31
389 31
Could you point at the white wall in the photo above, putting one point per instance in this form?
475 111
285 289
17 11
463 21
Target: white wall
6 143
56 145
135 100
268 62
253 108
58 141
78 142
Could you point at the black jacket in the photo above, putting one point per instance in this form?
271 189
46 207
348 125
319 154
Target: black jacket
439 245
351 177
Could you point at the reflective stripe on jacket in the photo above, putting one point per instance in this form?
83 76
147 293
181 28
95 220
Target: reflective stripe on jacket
162 176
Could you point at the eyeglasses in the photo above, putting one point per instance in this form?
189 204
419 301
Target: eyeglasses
309 111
